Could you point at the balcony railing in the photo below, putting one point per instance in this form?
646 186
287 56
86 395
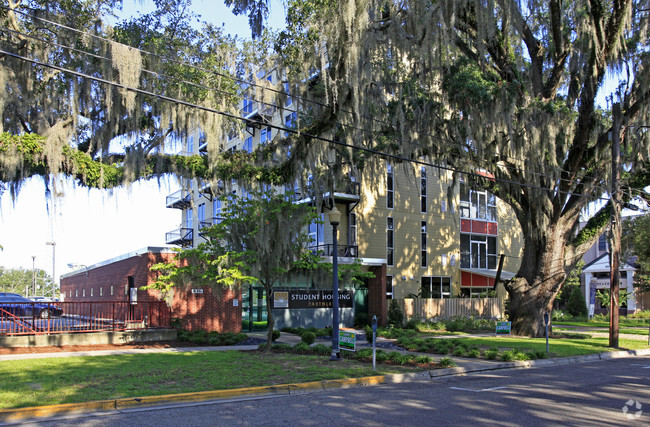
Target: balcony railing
180 199
351 251
181 236
208 223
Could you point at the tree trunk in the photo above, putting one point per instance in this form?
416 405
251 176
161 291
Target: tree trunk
527 308
269 318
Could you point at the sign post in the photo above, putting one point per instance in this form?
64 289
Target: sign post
374 339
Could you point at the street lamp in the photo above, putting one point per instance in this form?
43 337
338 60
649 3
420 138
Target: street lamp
335 220
33 275
53 244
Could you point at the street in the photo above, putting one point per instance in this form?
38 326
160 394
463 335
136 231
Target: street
612 392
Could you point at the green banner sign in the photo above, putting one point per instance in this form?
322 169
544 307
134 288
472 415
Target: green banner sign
503 328
347 340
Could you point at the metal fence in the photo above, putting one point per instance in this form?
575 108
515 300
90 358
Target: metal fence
88 316
429 308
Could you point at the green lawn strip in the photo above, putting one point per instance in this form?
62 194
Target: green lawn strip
557 347
622 323
36 382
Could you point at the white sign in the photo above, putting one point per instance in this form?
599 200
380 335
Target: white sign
197 291
235 302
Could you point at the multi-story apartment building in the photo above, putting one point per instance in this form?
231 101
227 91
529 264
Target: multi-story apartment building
400 219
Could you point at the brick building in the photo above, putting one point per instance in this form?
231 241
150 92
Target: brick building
120 279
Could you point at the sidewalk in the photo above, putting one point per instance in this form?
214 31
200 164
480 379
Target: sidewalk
464 366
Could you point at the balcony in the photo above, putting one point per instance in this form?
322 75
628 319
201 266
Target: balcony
181 199
208 223
182 237
349 251
349 194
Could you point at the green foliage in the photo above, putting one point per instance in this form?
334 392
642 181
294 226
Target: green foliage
302 348
603 297
576 304
395 316
21 281
474 353
321 349
308 337
446 362
361 320
275 335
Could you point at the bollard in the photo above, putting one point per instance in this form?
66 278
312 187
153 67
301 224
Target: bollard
546 323
374 340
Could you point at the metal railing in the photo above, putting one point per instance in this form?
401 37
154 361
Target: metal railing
87 316
342 250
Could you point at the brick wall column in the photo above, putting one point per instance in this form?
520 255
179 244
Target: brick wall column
377 303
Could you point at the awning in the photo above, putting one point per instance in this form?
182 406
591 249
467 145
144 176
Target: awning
481 278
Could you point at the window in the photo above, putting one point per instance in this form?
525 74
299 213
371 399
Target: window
477 251
92 291
83 293
290 121
389 241
602 243
435 287
270 78
111 290
423 244
477 204
352 232
76 293
389 287
248 106
101 291
389 187
188 218
289 97
216 211
265 134
201 213
423 189
190 144
443 259
316 233
248 144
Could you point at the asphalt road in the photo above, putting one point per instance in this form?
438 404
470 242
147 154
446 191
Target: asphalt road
593 393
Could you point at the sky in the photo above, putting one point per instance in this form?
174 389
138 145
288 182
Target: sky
90 226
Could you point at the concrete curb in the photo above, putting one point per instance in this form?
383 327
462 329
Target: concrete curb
35 412
22 414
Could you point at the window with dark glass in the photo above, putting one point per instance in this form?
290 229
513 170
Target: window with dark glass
423 244
389 241
423 189
389 287
477 204
435 287
389 187
478 251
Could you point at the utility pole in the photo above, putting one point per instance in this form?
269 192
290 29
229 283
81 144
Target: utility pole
33 275
53 244
615 229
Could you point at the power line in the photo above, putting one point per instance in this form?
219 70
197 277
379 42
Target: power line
285 129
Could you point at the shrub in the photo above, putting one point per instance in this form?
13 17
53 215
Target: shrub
411 324
474 353
361 320
281 347
368 332
199 336
381 356
446 362
491 354
459 351
276 335
441 347
576 305
508 356
425 360
321 349
395 316
301 348
308 338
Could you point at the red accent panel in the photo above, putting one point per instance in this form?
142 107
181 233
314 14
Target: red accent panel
465 279
479 227
478 280
492 228
466 225
491 282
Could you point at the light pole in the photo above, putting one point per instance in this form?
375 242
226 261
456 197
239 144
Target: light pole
53 244
33 275
335 220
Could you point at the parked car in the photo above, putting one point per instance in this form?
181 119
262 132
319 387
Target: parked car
20 306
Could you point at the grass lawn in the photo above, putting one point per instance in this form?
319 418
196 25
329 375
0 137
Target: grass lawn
558 347
36 382
622 323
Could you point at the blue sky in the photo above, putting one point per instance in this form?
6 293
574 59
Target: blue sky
90 226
